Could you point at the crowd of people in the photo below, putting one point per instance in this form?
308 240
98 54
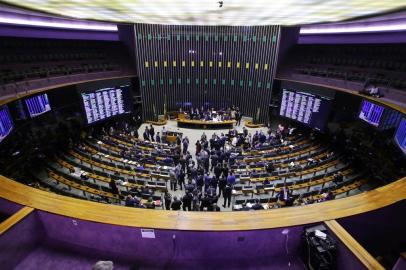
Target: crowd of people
207 180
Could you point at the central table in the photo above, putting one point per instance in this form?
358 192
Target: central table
227 124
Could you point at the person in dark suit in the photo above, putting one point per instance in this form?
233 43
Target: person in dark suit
145 135
225 171
338 178
284 196
168 200
187 202
113 187
205 203
257 205
227 195
222 184
129 201
214 208
176 204
151 132
158 138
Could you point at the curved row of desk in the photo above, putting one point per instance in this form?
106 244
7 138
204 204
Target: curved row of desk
60 232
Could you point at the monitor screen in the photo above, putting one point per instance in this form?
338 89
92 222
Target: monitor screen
306 108
106 102
400 135
38 105
371 113
6 123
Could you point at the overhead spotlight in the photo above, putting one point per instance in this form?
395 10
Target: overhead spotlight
220 4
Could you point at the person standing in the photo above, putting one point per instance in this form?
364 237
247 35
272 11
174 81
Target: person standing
151 132
185 143
146 134
168 200
158 138
187 201
198 147
227 195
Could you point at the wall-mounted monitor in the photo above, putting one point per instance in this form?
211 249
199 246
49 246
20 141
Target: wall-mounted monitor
38 105
306 108
106 102
6 123
371 113
400 135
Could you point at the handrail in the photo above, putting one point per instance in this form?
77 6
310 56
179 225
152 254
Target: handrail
197 221
366 259
14 219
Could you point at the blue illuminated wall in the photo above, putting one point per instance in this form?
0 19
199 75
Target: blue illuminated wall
201 65
371 113
38 105
400 136
6 123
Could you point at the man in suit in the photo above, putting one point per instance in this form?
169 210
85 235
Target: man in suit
176 204
145 135
187 201
257 205
168 200
284 196
227 195
158 138
151 132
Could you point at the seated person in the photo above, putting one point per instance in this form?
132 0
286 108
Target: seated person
257 205
338 178
284 196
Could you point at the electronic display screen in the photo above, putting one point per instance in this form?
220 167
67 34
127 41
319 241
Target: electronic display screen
6 123
106 102
38 105
305 108
400 135
371 113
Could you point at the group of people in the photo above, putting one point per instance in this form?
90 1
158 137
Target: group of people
208 180
210 114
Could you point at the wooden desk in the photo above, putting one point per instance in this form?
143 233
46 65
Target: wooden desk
227 124
199 221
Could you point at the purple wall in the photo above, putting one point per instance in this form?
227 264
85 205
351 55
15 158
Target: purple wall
8 208
345 258
20 240
380 232
400 264
220 250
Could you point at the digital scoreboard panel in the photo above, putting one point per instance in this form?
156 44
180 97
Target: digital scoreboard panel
371 113
305 108
6 123
38 105
400 135
106 102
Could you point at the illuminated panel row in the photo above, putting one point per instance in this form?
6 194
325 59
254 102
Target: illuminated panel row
210 64
205 81
207 37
